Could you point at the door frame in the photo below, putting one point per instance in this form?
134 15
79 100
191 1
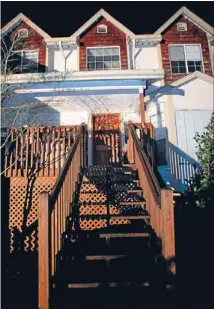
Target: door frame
92 133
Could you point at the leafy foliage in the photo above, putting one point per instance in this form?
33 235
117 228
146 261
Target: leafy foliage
200 192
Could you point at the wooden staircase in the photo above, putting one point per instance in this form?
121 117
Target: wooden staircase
106 233
108 244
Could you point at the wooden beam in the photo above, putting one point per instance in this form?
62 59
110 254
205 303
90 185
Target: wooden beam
43 251
142 108
168 232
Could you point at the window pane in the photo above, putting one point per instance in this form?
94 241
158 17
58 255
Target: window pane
91 66
191 68
107 51
182 69
115 51
115 64
91 59
181 63
175 70
99 65
107 58
115 58
199 68
176 53
99 51
99 58
91 52
107 64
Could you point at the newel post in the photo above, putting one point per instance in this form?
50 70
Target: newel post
168 226
44 251
130 151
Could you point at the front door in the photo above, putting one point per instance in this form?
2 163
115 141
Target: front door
106 139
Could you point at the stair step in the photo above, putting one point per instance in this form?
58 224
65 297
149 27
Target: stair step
105 257
123 235
107 284
132 203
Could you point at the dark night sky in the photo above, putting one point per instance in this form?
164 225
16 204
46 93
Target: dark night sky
63 18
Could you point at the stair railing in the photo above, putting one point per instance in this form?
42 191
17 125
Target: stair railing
159 201
53 210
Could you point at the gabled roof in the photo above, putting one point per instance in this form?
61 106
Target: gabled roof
193 17
21 17
179 82
102 13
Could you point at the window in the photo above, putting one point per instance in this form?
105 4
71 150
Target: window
24 61
102 29
181 26
185 58
103 58
23 33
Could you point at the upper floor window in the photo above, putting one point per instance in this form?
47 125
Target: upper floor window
24 61
23 33
185 58
101 29
181 26
103 58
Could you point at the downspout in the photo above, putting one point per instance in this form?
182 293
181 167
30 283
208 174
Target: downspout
133 53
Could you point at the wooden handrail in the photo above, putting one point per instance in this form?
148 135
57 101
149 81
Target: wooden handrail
53 211
153 182
159 201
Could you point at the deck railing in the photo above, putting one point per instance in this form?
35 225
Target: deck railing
175 166
53 210
182 167
39 149
159 201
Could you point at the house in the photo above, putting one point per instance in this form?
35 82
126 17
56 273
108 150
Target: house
104 76
105 68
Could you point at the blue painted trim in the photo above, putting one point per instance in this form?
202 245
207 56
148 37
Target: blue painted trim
93 83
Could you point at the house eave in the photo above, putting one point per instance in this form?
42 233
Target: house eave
87 75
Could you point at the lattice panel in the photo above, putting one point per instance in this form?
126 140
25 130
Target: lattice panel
94 224
24 210
93 197
97 210
87 187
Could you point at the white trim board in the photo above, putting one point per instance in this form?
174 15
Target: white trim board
193 17
22 17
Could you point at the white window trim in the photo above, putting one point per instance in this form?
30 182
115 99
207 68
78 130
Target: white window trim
20 36
28 50
96 47
104 26
185 30
184 45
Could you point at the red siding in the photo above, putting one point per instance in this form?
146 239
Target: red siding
34 41
193 35
114 37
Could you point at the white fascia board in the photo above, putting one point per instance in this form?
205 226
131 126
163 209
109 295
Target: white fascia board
193 17
22 17
96 17
87 75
